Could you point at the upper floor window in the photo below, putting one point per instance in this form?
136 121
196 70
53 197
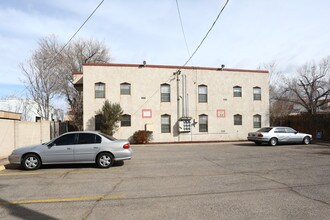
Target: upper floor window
166 123
165 93
99 90
203 123
125 88
237 119
256 121
202 93
237 91
125 121
256 93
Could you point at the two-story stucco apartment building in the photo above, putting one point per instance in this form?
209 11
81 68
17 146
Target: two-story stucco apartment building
193 104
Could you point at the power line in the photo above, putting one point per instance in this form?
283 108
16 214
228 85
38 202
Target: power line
200 44
183 32
76 32
65 45
177 72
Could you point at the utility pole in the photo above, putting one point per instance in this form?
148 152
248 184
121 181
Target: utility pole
177 73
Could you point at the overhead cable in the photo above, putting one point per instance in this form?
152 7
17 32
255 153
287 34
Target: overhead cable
200 44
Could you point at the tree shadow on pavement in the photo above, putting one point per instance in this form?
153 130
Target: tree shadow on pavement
21 212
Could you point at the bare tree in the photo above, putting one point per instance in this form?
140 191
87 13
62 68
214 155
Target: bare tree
279 109
274 79
73 58
311 88
48 73
41 76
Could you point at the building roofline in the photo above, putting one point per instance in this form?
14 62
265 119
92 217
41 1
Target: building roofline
172 67
77 73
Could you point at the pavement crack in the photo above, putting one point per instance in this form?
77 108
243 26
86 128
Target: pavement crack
291 188
90 211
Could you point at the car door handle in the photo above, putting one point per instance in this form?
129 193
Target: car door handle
68 148
96 148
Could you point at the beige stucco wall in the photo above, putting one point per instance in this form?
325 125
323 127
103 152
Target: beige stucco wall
15 134
145 94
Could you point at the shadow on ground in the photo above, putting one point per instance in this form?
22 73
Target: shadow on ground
65 166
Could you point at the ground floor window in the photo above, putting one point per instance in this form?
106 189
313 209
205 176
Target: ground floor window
237 119
203 123
256 121
125 121
166 123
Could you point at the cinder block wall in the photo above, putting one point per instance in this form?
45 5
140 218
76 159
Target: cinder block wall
16 134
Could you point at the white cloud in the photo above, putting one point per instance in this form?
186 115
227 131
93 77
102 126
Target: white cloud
247 34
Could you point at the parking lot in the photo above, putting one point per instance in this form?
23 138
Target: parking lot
237 180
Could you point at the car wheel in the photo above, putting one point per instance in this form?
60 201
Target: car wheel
31 162
104 160
273 141
306 140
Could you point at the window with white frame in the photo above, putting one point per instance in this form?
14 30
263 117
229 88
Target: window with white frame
99 90
256 93
165 93
125 88
203 123
237 91
125 121
237 119
166 123
202 93
257 121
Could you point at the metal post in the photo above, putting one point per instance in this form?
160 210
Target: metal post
177 73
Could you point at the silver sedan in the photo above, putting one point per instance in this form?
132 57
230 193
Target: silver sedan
275 135
73 147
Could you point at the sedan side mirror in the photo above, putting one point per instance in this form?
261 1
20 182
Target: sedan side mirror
51 144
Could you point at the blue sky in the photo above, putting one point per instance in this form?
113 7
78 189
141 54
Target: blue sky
248 33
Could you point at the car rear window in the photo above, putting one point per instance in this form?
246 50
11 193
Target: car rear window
267 129
108 137
88 138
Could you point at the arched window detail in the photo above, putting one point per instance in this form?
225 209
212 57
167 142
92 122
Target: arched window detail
257 121
203 123
256 93
237 119
237 91
99 90
165 92
202 93
125 120
165 123
125 88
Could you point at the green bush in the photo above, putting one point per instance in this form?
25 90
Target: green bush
141 137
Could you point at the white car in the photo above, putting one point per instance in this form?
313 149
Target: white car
275 135
73 147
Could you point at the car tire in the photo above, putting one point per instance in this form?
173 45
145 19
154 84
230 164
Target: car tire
306 140
273 142
31 162
104 160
